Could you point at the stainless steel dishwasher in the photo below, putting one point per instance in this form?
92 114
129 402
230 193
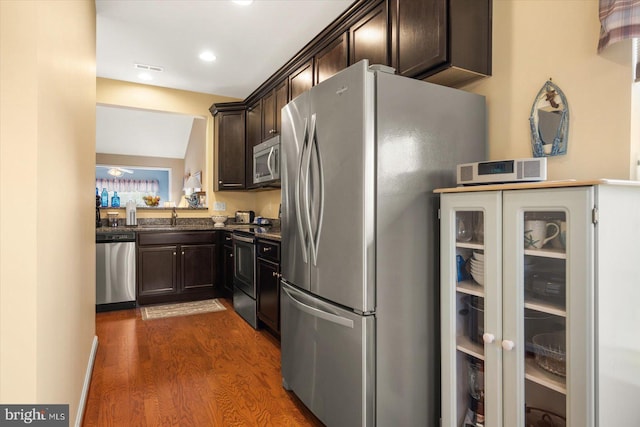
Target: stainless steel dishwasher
115 270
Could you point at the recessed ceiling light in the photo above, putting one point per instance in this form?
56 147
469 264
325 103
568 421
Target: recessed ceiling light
145 76
207 56
243 2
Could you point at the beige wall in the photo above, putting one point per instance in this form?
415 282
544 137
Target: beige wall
176 166
536 39
47 252
119 93
195 157
267 203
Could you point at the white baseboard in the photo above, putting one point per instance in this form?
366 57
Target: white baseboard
87 382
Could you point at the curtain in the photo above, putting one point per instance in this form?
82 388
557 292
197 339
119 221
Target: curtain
619 20
128 185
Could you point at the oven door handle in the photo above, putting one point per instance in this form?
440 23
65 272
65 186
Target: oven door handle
244 239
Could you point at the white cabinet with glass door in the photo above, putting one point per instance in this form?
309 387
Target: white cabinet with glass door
539 318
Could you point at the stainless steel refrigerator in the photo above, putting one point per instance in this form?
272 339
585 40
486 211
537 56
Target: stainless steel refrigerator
362 152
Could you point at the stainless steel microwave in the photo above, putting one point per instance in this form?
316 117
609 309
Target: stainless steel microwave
266 161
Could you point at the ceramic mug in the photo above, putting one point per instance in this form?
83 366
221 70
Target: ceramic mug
536 233
560 241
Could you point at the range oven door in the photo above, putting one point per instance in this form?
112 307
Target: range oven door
244 264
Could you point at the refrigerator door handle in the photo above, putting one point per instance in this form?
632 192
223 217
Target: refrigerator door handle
307 186
301 232
316 312
316 149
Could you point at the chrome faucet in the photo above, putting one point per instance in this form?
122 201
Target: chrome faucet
174 218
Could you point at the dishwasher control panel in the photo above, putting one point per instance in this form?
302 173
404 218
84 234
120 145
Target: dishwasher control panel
120 236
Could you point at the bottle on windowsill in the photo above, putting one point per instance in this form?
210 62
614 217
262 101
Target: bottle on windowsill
104 198
115 200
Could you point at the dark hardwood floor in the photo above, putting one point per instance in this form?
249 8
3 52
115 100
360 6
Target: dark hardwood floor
208 369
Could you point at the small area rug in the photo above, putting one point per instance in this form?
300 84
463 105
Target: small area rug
181 309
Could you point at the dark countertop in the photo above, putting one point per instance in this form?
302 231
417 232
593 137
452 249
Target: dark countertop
272 233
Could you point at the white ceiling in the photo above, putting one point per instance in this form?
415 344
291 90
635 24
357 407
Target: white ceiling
250 43
134 132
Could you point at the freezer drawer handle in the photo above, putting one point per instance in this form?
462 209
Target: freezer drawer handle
343 321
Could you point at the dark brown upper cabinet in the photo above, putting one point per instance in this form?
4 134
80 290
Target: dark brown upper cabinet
447 42
369 37
443 41
419 35
301 79
254 136
331 59
272 104
231 147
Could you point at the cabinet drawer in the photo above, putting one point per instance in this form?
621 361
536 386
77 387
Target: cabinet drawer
174 238
268 250
227 239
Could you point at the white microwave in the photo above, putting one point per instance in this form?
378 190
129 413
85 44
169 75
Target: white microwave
266 161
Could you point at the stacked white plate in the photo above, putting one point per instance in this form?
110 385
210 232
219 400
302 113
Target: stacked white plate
477 267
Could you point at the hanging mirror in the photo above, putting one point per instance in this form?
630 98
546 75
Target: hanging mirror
549 122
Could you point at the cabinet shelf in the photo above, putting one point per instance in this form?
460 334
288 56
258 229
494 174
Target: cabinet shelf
545 307
470 245
465 345
547 253
470 287
536 374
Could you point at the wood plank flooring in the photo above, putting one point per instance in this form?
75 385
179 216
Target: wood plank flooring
207 369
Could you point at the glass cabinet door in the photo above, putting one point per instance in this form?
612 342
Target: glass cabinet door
547 307
471 311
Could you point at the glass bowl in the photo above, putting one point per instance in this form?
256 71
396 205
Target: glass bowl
550 352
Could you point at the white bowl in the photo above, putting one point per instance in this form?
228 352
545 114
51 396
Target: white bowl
478 278
477 264
219 220
477 272
478 256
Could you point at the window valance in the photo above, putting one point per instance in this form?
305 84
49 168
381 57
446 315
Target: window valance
128 185
619 20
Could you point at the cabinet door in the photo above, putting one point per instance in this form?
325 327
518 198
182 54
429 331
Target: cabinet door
268 115
301 80
228 268
157 271
231 150
369 37
282 97
548 335
471 309
331 59
268 278
198 266
254 137
419 35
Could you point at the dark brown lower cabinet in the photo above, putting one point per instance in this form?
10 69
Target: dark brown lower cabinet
198 265
174 266
157 271
268 284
